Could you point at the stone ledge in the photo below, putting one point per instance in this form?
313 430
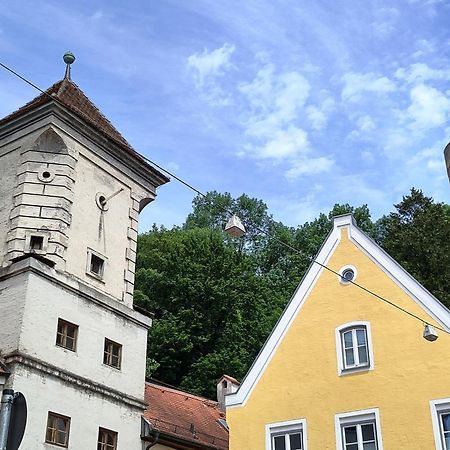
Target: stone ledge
72 378
76 286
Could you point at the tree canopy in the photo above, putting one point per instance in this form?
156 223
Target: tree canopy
216 299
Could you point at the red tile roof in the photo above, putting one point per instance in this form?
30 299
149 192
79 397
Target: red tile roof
67 93
185 418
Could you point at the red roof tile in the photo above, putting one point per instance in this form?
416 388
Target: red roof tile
67 93
187 417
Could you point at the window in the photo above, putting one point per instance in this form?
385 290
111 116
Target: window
359 430
360 436
353 345
95 264
67 334
440 414
57 430
286 435
347 274
36 243
107 439
113 354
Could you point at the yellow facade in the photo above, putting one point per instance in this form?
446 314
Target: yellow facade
301 380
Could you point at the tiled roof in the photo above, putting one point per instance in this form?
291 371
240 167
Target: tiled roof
67 93
185 417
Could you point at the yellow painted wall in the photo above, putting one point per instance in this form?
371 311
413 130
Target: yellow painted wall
301 380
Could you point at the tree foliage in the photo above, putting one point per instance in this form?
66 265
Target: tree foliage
216 299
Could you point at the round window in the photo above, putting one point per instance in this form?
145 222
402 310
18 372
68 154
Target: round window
348 275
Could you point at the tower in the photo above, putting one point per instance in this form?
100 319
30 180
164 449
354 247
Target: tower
70 195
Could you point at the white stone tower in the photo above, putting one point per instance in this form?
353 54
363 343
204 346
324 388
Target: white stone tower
71 189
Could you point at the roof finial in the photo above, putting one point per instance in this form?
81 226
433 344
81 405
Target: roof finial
68 58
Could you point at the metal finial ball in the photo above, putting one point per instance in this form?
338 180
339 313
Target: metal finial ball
69 57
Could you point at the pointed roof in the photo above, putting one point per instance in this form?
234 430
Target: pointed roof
68 94
430 304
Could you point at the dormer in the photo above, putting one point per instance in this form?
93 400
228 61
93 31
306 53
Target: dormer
72 190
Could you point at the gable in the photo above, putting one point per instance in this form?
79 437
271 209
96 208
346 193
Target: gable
379 273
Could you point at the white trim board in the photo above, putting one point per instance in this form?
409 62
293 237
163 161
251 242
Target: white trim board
406 282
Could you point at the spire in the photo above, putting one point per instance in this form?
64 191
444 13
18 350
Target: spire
68 58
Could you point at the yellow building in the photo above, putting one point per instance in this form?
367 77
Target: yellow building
344 369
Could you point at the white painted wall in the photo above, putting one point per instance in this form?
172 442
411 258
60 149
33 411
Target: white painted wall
88 412
46 302
112 242
12 306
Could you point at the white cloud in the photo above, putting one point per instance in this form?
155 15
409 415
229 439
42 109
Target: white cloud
355 84
429 107
284 144
420 72
210 64
309 166
318 115
385 22
277 106
275 100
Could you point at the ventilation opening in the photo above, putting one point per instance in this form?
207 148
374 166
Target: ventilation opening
46 174
96 266
36 243
102 200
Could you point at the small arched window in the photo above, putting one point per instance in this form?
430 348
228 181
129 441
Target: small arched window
354 347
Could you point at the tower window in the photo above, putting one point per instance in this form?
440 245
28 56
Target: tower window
112 355
66 335
107 439
95 264
57 430
36 243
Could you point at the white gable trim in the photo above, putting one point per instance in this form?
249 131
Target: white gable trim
417 292
284 322
400 276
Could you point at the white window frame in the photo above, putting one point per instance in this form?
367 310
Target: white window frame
356 418
342 369
287 426
439 407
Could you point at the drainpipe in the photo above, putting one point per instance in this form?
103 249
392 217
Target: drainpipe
5 416
153 443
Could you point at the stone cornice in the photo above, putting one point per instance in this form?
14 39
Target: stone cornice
76 380
76 286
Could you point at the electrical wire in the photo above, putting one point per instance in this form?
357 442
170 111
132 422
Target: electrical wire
246 222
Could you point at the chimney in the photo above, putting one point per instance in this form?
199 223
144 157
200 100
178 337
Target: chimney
226 385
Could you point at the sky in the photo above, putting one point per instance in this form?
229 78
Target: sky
300 103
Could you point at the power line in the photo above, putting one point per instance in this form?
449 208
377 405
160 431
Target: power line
246 222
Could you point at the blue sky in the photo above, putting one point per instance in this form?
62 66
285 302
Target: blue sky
302 104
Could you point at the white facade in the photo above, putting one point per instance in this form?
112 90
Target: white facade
68 255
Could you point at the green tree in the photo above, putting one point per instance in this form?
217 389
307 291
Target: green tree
212 310
417 235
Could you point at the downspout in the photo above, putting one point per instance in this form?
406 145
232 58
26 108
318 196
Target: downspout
154 442
5 416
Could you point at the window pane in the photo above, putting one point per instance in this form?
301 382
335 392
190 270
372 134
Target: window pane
351 447
447 442
348 339
370 446
361 337
368 432
296 441
350 435
349 357
279 442
362 355
446 421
